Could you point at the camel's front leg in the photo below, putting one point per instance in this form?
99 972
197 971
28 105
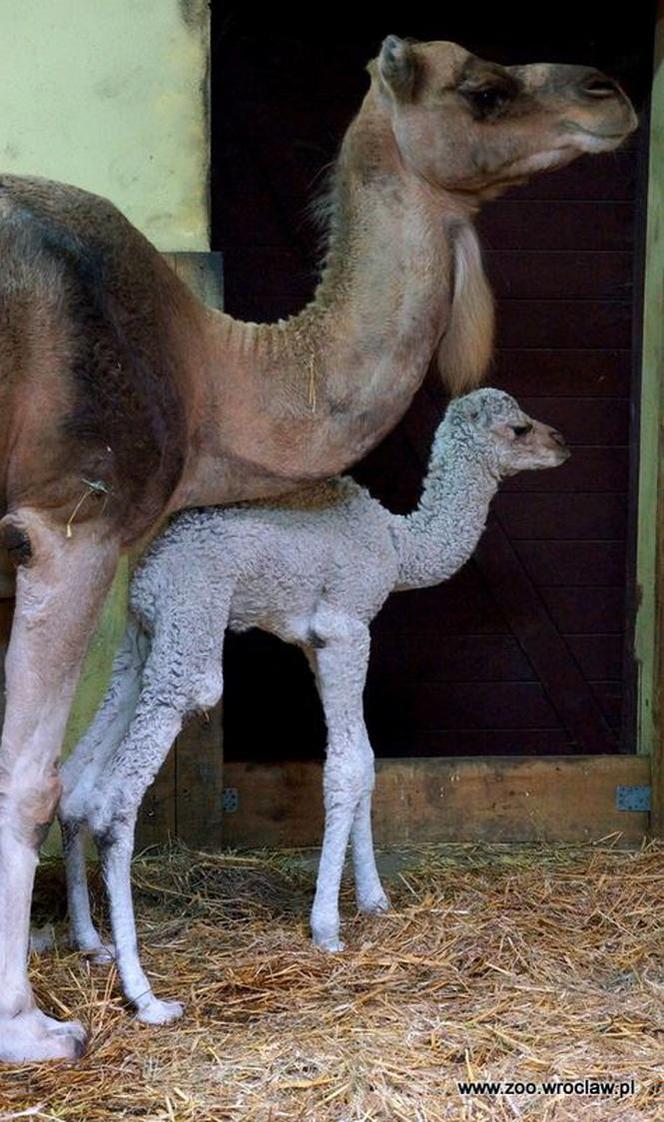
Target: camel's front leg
61 585
341 666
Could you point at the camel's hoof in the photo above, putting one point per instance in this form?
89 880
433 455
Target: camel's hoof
375 906
156 1012
32 1037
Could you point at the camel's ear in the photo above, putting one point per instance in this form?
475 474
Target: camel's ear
398 67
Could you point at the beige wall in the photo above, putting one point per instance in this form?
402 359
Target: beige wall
112 95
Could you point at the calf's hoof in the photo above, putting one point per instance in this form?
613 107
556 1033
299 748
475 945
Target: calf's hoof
330 943
32 1037
103 955
156 1012
374 906
42 939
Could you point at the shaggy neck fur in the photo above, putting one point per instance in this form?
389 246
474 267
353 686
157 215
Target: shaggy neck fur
402 279
439 537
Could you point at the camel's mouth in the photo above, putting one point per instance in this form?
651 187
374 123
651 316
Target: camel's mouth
610 136
602 139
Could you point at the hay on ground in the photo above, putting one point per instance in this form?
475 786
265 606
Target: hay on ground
496 962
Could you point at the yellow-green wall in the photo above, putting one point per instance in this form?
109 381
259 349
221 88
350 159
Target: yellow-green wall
112 95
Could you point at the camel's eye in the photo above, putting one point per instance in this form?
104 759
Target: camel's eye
487 96
486 100
521 430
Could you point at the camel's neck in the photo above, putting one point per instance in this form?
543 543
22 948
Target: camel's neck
439 537
308 396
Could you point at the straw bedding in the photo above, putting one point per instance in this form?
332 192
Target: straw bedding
506 963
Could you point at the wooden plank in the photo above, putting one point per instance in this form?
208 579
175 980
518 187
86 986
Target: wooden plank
459 606
564 323
582 611
408 656
575 563
546 648
203 272
612 178
434 800
513 223
578 373
567 274
562 517
600 657
406 705
199 781
472 742
411 656
185 800
156 821
649 628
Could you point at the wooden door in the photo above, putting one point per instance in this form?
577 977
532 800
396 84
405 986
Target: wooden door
528 649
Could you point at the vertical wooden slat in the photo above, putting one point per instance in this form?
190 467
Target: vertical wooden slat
157 819
203 272
185 801
650 551
199 781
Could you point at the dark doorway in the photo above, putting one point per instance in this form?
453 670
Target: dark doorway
528 649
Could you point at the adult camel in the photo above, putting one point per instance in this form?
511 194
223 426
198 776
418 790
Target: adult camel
123 399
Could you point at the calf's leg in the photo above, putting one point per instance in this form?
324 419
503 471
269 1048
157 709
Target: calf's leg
174 684
60 587
341 658
81 775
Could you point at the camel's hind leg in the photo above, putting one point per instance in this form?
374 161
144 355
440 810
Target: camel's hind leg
174 684
61 585
82 773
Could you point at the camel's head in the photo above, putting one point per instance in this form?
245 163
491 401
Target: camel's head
492 425
471 126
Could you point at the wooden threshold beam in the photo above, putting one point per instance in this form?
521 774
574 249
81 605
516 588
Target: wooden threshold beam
494 799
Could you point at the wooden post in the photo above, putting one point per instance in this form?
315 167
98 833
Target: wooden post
650 546
185 799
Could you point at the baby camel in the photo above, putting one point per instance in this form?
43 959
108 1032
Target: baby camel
315 574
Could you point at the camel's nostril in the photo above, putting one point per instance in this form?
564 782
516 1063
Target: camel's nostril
597 85
558 438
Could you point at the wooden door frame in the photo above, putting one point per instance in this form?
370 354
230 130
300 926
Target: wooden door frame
650 541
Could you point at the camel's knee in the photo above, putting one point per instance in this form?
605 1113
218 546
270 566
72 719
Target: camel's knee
28 803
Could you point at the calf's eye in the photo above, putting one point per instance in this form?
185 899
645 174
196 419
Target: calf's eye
521 430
